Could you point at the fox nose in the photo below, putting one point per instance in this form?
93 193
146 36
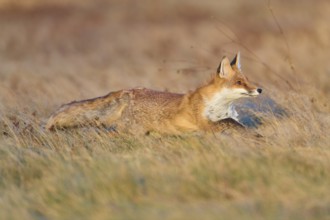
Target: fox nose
259 90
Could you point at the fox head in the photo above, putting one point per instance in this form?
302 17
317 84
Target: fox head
228 85
230 76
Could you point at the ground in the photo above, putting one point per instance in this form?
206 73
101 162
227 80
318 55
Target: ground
53 52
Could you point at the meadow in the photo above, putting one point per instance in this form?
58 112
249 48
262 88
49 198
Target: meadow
53 52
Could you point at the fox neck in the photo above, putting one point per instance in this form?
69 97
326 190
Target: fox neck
203 105
219 106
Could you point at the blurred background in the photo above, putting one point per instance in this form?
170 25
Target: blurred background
55 51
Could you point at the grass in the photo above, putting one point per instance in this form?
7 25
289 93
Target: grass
85 174
52 54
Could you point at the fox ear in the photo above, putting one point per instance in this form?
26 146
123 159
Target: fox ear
237 61
224 70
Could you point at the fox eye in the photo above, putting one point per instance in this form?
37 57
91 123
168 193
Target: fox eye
239 82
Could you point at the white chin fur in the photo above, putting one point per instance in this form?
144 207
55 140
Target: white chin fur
254 93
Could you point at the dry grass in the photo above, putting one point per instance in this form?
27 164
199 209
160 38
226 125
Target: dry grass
53 52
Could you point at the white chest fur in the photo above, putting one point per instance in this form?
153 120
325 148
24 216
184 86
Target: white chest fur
219 106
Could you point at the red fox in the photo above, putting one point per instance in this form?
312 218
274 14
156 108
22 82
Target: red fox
208 108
